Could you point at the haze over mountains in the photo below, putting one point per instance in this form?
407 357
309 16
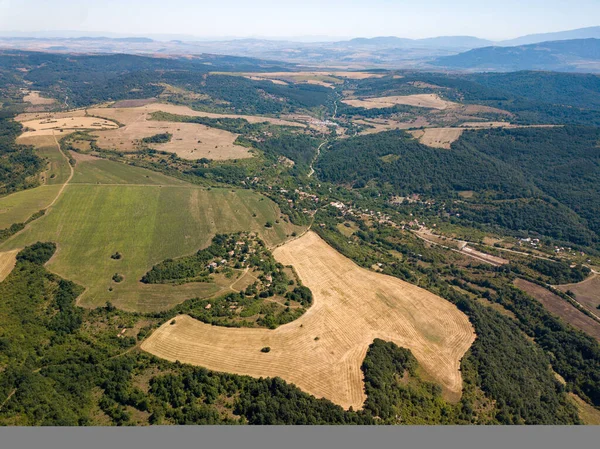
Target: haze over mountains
573 50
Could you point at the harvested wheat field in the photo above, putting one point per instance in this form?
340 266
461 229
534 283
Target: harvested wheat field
8 259
323 350
431 101
50 125
437 137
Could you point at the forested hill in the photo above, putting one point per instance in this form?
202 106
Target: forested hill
537 180
570 55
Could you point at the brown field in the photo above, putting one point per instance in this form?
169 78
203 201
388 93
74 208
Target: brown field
558 306
322 351
586 292
431 101
8 259
35 99
437 137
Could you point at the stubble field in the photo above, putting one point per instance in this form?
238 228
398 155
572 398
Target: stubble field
322 351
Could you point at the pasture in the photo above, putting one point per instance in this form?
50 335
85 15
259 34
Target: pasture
18 207
322 351
147 217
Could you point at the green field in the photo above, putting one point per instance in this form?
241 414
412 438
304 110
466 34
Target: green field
58 170
108 172
146 224
19 206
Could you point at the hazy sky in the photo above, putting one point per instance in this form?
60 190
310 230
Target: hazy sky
269 18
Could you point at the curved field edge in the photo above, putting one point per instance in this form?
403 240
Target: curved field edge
322 351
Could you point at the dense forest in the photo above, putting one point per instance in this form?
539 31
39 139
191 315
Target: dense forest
538 180
19 164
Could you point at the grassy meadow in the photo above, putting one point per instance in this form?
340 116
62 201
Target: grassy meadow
106 209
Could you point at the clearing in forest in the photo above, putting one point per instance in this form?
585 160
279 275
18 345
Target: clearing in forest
323 350
431 101
437 137
147 217
33 97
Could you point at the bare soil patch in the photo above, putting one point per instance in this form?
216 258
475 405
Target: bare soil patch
558 306
322 351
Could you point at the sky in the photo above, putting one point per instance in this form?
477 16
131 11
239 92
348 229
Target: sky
499 19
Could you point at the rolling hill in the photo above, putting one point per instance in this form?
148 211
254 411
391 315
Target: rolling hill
567 56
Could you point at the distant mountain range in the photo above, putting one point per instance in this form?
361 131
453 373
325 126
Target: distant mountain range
581 33
574 50
567 55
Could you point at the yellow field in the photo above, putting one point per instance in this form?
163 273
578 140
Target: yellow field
431 101
49 125
322 351
437 137
8 259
